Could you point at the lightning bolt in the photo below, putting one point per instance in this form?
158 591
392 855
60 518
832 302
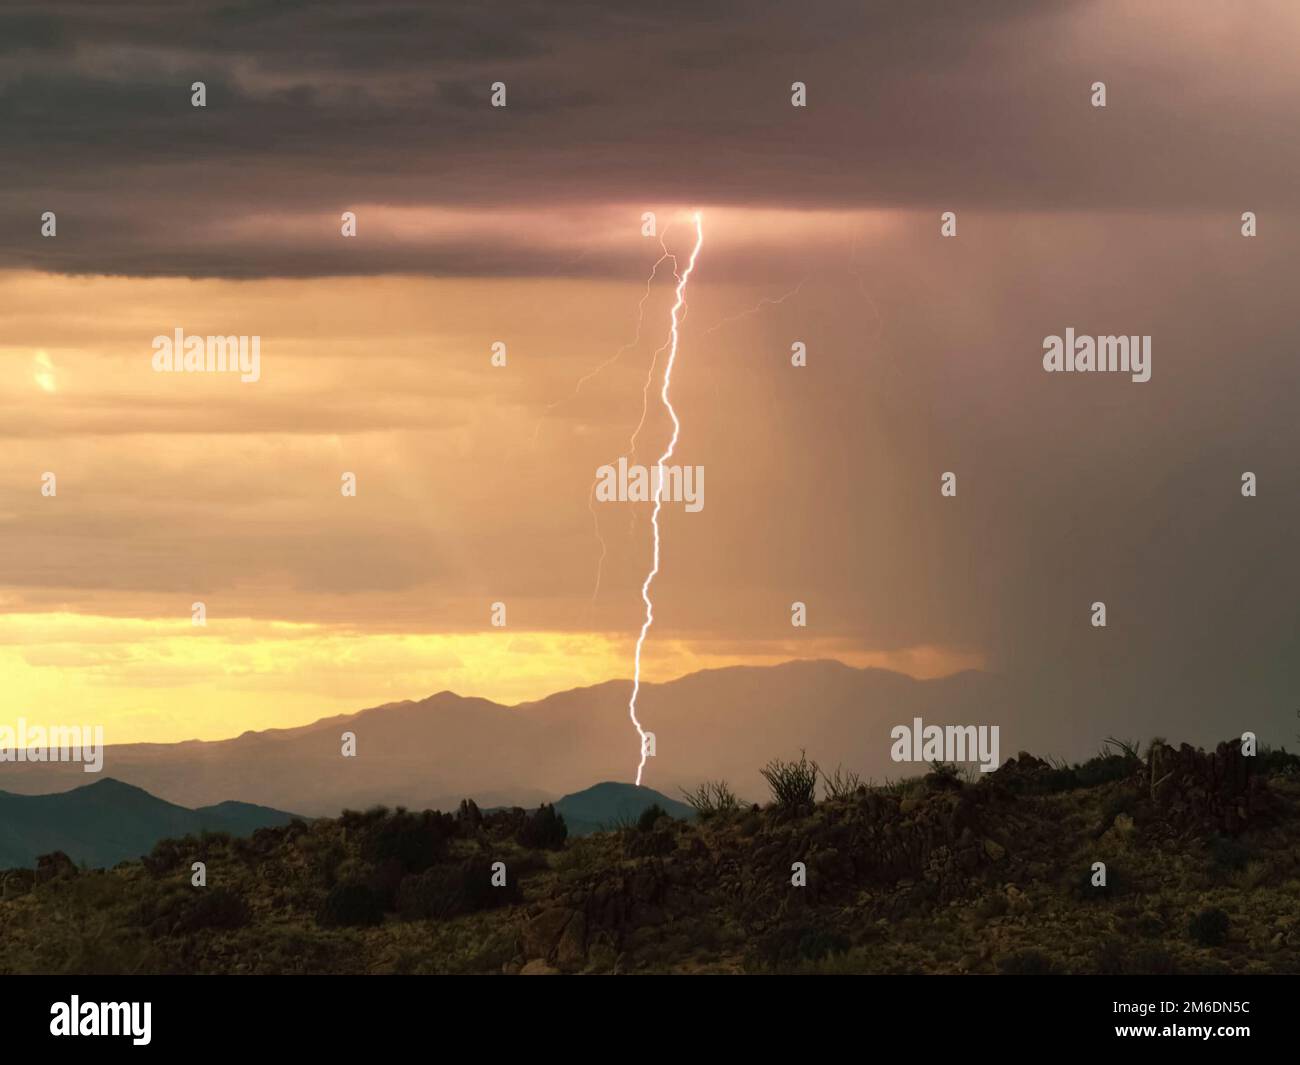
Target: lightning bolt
645 401
682 280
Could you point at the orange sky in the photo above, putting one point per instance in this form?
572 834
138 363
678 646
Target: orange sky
472 489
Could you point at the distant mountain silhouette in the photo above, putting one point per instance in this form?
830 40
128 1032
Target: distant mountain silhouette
720 723
611 805
107 822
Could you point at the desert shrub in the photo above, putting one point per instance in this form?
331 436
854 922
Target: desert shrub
165 856
54 866
1130 750
171 854
1116 761
91 932
447 891
788 946
1150 925
216 907
383 879
180 909
468 817
262 843
583 857
488 953
943 777
1026 963
500 824
1121 801
413 841
1058 779
1209 928
351 904
899 788
649 844
992 905
525 864
1229 855
1255 875
1107 767
841 784
711 798
793 784
1271 760
324 855
544 830
356 821
650 817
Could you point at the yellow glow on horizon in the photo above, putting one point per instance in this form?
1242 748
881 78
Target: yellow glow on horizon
163 681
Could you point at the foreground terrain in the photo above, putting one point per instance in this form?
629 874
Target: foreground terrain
945 873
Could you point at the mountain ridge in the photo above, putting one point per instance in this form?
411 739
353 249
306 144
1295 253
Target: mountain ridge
429 753
110 821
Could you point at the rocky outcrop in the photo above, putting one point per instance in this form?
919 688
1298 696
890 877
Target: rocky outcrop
1023 774
1216 790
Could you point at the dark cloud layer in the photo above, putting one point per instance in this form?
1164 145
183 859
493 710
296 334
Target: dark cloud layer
314 108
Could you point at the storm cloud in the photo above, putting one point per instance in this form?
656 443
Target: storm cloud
313 109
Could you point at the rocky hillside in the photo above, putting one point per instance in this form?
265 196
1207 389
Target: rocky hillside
1174 861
